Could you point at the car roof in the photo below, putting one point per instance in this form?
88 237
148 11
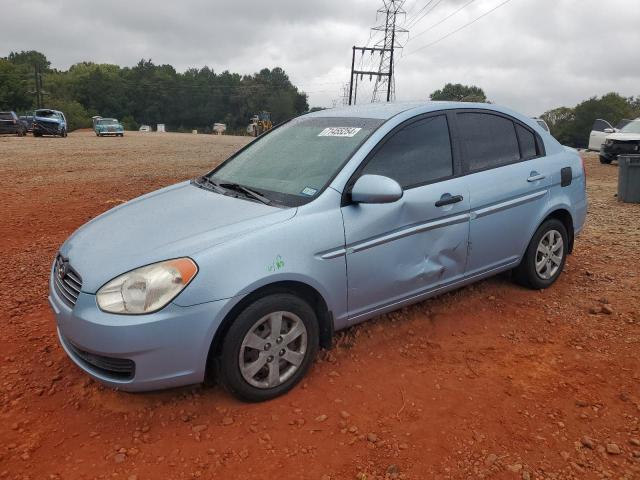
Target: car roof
387 110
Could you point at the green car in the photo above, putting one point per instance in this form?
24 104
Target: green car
108 126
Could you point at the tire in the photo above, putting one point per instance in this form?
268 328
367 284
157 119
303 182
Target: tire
250 346
63 133
526 274
605 160
37 134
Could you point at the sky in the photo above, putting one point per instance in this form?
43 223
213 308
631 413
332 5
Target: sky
530 55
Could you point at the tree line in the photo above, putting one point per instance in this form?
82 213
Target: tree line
148 93
569 125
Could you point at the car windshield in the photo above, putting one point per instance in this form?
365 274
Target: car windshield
47 114
631 127
295 161
108 121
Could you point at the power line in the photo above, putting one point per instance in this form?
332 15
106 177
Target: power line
416 21
458 29
443 20
409 20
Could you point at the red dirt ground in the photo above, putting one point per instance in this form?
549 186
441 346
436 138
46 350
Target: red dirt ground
491 381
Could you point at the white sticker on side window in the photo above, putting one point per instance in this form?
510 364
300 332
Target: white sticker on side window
339 132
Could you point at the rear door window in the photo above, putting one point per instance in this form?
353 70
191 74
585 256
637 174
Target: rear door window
416 154
489 140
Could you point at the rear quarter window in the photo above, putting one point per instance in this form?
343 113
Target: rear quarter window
527 142
489 140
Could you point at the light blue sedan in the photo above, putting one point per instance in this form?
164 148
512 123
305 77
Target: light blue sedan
325 221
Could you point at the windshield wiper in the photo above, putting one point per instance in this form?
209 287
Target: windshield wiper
206 181
246 190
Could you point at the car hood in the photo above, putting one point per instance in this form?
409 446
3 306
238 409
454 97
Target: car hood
115 125
176 221
624 136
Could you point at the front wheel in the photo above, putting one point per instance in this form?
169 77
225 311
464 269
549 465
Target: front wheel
545 256
269 347
604 160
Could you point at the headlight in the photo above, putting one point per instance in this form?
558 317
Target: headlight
146 289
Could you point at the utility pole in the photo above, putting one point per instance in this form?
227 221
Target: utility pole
362 73
38 84
384 75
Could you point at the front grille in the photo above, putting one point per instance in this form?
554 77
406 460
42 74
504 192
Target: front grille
47 126
117 368
625 147
67 281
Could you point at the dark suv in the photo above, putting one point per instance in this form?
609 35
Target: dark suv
10 123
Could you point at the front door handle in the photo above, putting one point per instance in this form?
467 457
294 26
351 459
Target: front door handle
535 176
447 199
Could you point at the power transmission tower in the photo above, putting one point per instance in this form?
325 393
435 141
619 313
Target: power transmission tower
345 94
391 10
385 48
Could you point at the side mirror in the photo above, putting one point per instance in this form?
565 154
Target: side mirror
376 189
609 130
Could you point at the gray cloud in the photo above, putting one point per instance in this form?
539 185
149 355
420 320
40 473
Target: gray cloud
529 54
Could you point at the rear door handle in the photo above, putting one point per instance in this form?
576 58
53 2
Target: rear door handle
447 199
535 176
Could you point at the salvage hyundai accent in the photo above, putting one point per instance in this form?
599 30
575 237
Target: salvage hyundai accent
325 221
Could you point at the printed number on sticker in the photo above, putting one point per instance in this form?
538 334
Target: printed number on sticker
339 132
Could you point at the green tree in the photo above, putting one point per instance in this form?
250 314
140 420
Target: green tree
561 123
14 87
148 93
459 93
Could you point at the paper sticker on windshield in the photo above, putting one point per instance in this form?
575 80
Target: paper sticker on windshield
309 191
339 132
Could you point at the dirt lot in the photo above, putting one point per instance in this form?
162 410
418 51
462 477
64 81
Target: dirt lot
491 381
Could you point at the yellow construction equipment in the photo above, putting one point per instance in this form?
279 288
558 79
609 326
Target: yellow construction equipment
260 123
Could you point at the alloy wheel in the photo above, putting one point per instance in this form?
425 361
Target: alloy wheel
273 349
549 254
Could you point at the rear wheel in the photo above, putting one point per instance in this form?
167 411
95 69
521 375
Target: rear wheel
269 347
545 256
604 160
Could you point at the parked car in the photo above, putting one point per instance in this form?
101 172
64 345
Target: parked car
108 126
625 141
600 130
246 271
49 122
27 120
542 123
144 128
10 123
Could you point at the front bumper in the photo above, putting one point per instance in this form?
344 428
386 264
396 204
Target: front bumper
165 349
47 128
114 133
612 151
